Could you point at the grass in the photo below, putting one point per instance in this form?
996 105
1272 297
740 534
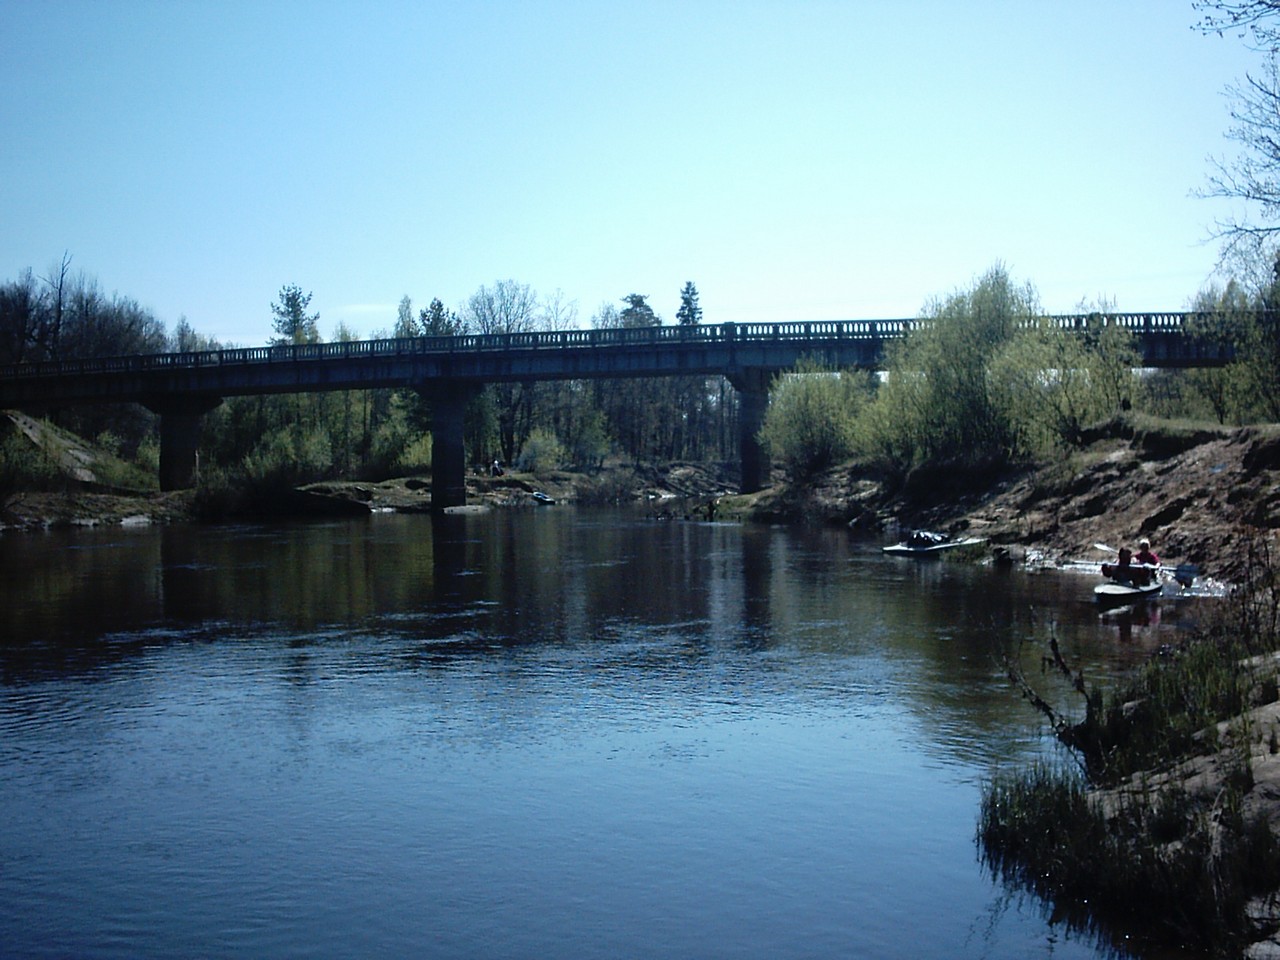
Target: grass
1114 834
1157 865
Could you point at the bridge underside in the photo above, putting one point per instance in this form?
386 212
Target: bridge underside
180 420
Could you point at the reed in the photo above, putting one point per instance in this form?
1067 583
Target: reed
1116 833
1160 865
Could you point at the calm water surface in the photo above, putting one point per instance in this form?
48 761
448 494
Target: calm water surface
546 733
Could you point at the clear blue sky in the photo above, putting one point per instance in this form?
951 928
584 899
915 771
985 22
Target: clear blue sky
795 159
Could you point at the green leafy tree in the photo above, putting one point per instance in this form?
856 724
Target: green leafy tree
1114 356
588 440
1247 389
812 419
343 418
690 423
628 405
406 325
396 441
1054 382
1223 317
938 404
287 457
1258 349
185 339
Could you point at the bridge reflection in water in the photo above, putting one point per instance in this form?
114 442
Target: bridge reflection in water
448 371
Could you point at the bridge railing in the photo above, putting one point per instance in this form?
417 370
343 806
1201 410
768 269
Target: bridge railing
846 330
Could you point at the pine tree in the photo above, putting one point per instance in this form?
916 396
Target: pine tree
689 313
637 312
292 323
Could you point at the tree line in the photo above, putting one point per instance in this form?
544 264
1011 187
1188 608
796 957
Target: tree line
982 384
373 434
985 383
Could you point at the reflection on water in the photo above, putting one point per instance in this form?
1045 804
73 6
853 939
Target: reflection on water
562 732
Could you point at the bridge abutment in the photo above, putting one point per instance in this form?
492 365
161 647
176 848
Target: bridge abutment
448 401
752 384
180 437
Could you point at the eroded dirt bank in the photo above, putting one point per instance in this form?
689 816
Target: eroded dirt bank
1200 495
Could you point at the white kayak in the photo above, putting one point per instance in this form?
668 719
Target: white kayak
906 548
1115 592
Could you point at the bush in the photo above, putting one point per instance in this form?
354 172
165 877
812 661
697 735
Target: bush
148 456
398 447
812 417
24 466
118 474
541 452
1178 867
287 458
416 456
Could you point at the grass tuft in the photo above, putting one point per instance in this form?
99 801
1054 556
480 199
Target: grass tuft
1118 836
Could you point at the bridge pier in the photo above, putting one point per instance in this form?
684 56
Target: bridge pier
752 384
448 399
179 436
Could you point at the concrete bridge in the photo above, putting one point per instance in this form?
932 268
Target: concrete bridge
448 371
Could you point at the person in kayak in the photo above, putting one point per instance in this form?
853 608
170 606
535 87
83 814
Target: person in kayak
1122 571
1144 556
1125 571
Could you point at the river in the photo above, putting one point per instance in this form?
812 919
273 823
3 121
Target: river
556 732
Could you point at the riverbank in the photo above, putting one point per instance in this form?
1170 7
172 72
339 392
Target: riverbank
1198 493
670 489
1160 828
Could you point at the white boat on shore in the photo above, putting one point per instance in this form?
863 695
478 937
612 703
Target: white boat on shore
921 544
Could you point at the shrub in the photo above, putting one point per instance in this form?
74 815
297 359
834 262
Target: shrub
812 418
541 452
24 466
397 447
1181 867
286 458
416 456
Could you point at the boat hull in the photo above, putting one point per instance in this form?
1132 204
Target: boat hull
908 550
1113 593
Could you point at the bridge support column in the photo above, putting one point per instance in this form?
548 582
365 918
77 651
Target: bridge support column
179 437
448 401
752 384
